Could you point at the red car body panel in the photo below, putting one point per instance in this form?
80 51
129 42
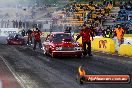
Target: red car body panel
67 45
15 41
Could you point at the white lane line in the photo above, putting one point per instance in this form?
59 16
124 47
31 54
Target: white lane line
17 77
1 86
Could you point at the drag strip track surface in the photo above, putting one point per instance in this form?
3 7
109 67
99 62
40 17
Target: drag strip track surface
36 70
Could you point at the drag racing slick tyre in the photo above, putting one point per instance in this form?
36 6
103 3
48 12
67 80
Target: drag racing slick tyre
53 55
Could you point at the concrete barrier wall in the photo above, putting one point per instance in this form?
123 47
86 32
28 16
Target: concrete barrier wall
102 44
125 49
7 31
127 40
127 35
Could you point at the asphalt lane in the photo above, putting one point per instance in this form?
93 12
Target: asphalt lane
35 70
7 76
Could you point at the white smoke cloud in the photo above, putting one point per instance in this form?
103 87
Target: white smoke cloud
5 3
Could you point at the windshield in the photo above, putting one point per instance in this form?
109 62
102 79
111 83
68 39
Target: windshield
60 37
15 36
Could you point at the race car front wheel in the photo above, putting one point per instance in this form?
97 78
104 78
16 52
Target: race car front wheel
52 55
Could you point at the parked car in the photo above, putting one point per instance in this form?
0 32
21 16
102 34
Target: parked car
61 44
15 39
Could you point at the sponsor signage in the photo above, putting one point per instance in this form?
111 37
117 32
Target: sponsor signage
102 44
82 77
7 31
107 78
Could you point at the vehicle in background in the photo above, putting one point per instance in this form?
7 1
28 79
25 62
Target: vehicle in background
61 44
15 39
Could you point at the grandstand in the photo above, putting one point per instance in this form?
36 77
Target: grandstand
76 14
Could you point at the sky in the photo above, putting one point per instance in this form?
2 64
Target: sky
7 1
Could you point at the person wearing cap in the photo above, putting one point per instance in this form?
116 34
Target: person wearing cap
85 33
119 31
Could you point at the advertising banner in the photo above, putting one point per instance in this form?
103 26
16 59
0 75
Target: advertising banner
7 31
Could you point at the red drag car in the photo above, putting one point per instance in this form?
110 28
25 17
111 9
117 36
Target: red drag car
15 39
61 44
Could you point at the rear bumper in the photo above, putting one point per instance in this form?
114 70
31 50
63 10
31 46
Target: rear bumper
16 43
67 53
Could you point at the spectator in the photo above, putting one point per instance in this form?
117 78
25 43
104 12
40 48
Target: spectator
16 24
104 2
13 23
68 30
23 32
129 6
20 24
8 22
2 23
23 24
27 24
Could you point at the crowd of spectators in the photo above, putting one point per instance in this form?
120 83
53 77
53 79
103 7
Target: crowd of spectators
91 14
19 24
125 13
90 11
